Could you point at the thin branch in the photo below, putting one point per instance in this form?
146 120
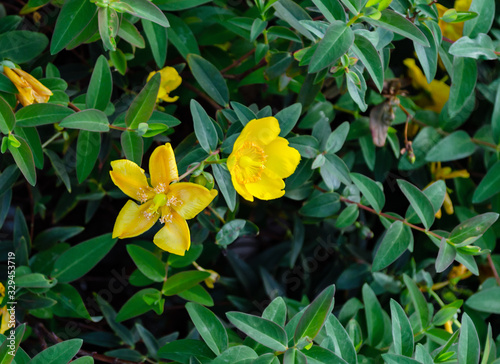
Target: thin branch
494 269
203 95
238 61
73 106
195 167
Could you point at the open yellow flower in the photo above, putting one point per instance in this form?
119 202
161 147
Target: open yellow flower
4 326
261 159
172 204
452 31
444 173
436 92
170 80
30 89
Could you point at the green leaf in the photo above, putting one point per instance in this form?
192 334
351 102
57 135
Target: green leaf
133 146
184 280
147 10
71 21
261 330
239 354
446 256
6 85
203 127
141 302
9 347
428 56
367 53
157 37
435 192
489 185
495 118
396 23
209 78
59 168
21 46
402 332
482 23
446 313
487 300
148 263
370 190
182 350
337 41
24 159
482 46
341 339
473 227
331 10
315 315
35 280
100 86
288 118
374 316
337 138
468 342
396 241
398 359
110 316
243 113
88 146
30 134
90 120
181 36
7 118
455 146
276 311
419 302
129 33
322 205
223 179
197 294
319 355
119 61
347 217
62 352
462 85
292 356
108 27
292 13
41 114
144 103
69 302
80 259
176 5
234 229
209 327
419 202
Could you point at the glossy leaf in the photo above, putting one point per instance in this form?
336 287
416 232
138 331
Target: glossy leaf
148 263
396 241
203 127
419 202
209 327
370 190
184 280
209 78
100 86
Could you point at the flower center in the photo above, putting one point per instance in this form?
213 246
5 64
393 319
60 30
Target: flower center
250 163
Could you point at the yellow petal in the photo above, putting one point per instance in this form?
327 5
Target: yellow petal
282 160
151 74
130 178
192 198
418 79
463 173
134 219
5 319
267 188
174 237
447 204
162 167
170 79
33 82
440 93
170 99
25 96
242 191
263 130
14 78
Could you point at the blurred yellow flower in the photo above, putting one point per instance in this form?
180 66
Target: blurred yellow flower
261 159
30 89
4 326
172 204
436 92
170 80
440 173
214 276
452 31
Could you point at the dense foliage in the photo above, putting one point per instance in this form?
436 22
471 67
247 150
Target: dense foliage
267 181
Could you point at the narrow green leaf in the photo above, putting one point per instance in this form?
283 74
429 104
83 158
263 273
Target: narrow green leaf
402 332
455 146
110 316
7 118
141 302
157 39
473 227
62 352
209 78
71 21
148 263
133 146
21 46
482 23
41 114
462 85
419 202
489 185
144 103
209 327
181 36
396 241
100 86
80 259
147 10
428 56
398 359
445 257
203 127
276 311
419 302
342 341
487 300
59 168
184 280
197 294
288 117
261 330
129 33
374 316
24 159
315 315
370 190
367 53
176 5
479 47
468 342
223 179
88 146
90 120
322 205
234 229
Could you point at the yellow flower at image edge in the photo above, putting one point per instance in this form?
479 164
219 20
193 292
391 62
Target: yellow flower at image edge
4 326
437 92
171 203
260 160
452 31
170 80
30 89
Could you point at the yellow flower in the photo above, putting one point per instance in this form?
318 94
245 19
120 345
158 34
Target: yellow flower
30 89
214 276
4 326
437 92
452 31
170 80
261 159
440 173
172 203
